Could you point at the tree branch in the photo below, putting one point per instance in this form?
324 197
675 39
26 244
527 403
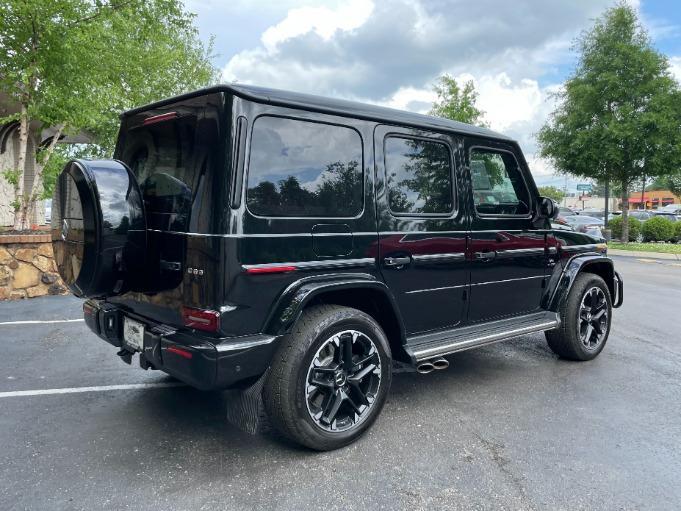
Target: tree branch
97 14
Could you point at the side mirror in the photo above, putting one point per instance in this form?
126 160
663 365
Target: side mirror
548 208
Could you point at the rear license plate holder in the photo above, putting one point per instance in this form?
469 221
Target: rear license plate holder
133 334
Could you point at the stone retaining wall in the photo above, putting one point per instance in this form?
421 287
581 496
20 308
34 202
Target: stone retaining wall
27 267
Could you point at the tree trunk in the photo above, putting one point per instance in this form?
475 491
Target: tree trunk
37 177
19 191
625 212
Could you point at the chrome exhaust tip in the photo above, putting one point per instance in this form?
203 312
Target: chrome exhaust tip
425 368
440 363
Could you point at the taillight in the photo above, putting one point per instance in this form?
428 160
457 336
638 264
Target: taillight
201 319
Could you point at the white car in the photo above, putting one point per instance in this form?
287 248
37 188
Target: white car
674 209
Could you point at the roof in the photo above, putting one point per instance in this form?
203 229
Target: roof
333 106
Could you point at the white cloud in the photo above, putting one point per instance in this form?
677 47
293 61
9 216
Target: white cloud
391 52
323 21
675 67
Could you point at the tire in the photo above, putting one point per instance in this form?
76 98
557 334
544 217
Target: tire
588 297
98 228
299 399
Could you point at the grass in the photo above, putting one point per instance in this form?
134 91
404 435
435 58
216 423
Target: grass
666 248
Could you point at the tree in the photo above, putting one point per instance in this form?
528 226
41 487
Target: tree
75 64
457 103
659 183
620 111
674 183
552 192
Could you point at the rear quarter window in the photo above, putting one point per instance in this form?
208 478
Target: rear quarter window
304 169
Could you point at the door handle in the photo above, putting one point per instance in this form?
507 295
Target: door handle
485 256
396 262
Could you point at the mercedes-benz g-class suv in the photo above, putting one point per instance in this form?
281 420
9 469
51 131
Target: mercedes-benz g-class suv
304 247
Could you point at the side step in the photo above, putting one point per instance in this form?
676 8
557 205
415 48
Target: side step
437 344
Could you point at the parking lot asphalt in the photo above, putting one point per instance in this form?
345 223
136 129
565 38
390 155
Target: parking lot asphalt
508 426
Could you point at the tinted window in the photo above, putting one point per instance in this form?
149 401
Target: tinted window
170 155
301 168
498 187
419 176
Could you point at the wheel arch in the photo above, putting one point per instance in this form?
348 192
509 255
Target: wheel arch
359 291
584 263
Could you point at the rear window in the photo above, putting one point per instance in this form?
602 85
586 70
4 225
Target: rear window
171 152
304 169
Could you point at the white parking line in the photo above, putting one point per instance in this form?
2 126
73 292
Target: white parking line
37 322
102 388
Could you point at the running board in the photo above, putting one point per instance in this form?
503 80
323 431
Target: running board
437 344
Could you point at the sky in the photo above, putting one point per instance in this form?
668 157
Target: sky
391 52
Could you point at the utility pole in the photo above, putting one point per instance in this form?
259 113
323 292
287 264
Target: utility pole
607 200
643 193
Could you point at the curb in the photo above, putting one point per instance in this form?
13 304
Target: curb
644 255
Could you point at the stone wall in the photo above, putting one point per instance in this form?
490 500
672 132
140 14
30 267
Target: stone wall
27 267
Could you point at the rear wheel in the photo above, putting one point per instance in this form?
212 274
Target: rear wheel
585 320
330 377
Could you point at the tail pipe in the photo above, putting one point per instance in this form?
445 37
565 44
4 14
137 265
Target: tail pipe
429 366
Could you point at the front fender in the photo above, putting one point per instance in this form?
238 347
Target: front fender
561 281
290 304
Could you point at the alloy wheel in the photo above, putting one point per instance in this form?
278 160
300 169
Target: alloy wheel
593 318
343 380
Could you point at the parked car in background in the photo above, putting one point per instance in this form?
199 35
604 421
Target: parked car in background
640 214
674 209
586 224
595 212
665 214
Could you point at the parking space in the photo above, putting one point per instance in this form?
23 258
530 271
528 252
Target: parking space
509 426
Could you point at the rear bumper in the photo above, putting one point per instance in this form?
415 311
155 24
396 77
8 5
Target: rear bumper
203 362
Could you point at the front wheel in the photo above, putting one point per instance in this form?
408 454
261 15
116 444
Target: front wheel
585 316
330 377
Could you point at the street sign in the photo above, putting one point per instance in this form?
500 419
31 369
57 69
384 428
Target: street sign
584 188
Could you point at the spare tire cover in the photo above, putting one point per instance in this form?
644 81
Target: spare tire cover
98 228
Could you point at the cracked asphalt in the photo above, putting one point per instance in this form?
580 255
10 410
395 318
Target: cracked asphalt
509 426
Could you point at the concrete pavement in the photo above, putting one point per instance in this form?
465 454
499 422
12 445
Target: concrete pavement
509 426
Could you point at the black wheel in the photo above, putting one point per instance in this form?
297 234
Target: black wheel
585 320
330 377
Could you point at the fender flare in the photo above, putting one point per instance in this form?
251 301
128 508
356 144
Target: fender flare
290 304
561 283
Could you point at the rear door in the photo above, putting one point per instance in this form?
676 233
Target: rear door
507 252
176 152
422 226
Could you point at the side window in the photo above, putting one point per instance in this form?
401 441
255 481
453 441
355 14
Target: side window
498 186
419 176
304 169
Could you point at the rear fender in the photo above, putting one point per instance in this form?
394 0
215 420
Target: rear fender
561 282
300 293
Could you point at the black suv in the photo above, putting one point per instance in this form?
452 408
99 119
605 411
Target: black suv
302 249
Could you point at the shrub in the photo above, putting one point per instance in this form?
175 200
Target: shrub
615 225
658 229
677 230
